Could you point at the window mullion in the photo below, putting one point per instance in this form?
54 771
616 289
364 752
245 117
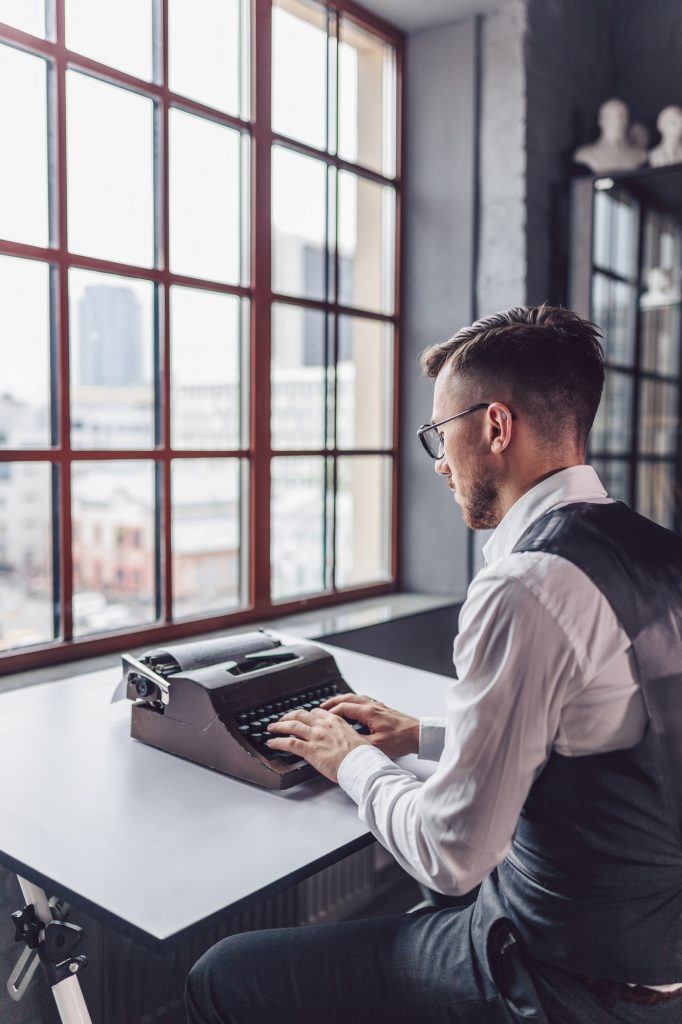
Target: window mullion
57 129
164 551
261 317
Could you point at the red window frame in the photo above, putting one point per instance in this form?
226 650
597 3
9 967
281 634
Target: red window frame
66 647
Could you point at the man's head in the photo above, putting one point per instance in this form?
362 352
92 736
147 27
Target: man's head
538 370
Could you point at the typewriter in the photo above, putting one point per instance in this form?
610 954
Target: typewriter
212 701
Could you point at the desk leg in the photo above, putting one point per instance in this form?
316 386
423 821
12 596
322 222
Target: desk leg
70 1003
67 993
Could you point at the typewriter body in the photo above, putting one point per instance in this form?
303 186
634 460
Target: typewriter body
212 701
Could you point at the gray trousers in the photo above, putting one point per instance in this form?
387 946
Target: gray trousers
430 967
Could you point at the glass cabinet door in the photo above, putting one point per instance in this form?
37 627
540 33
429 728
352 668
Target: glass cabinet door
628 229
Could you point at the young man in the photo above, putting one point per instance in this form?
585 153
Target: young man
559 778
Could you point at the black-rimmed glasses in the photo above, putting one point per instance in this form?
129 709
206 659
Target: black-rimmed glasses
432 439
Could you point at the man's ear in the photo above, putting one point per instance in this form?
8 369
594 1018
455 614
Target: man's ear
501 422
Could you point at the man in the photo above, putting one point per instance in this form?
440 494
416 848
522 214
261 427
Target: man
560 760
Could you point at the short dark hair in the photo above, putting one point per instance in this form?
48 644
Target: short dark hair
544 355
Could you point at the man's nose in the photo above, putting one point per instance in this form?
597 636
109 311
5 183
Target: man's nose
441 467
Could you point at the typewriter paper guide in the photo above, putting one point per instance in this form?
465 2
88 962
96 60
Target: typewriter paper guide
211 701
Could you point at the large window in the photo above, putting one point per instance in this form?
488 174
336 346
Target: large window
199 207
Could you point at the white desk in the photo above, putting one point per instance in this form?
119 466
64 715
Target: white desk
151 844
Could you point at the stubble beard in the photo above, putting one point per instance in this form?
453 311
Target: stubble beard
481 507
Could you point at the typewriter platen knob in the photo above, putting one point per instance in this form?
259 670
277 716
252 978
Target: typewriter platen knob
145 688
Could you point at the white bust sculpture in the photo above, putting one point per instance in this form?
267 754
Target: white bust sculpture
669 149
663 287
614 150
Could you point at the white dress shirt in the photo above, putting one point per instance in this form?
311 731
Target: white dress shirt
542 664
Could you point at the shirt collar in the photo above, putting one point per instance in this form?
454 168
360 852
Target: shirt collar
577 483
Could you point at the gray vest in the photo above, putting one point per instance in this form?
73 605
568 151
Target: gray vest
593 880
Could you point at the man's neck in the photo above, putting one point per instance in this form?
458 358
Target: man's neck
520 484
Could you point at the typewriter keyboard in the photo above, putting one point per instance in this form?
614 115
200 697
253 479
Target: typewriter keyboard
253 722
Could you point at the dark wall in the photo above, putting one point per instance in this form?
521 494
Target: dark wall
438 285
569 73
647 48
578 54
423 641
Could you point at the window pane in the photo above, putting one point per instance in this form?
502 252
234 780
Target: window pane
299 377
658 422
204 51
364 383
662 244
204 198
27 15
363 520
23 130
299 71
367 99
110 172
111 361
660 302
206 535
613 310
624 252
297 560
118 34
206 369
24 353
613 429
113 545
656 492
299 224
660 329
615 476
366 243
25 554
615 233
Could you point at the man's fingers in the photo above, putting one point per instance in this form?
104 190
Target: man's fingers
346 698
300 715
292 727
333 701
292 744
357 712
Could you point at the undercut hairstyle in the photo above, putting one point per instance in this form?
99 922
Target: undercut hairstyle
545 360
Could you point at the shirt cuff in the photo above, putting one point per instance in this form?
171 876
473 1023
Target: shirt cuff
431 738
356 767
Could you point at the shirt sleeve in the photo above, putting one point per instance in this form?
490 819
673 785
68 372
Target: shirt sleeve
514 663
431 738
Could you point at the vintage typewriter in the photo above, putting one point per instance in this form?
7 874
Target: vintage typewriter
212 701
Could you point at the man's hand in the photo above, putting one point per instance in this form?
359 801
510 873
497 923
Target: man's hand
391 731
322 738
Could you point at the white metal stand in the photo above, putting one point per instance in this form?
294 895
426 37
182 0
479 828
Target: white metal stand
66 990
70 1003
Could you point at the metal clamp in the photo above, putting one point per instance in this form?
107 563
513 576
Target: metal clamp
27 927
50 944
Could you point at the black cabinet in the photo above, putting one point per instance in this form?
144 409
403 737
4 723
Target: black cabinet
626 273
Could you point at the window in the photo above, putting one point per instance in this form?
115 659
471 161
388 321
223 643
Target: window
198 316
